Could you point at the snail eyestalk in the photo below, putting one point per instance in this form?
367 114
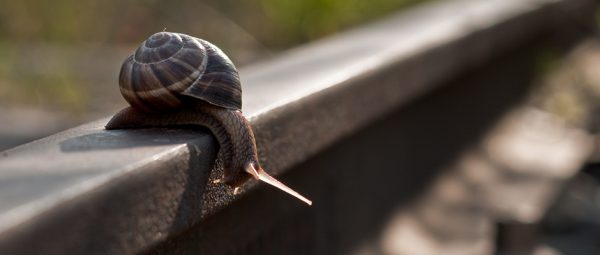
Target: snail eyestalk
263 176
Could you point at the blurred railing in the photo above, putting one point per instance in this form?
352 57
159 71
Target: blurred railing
361 122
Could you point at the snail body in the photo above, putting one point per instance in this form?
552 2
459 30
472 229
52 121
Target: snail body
174 80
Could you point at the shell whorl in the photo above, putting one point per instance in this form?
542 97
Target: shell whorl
169 69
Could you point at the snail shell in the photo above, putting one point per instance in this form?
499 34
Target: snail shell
169 79
168 68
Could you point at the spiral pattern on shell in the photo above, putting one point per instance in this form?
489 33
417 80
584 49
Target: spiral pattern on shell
169 69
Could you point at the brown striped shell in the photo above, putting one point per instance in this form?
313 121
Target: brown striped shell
170 68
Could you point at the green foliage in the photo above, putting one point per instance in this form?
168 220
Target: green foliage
44 82
276 22
309 19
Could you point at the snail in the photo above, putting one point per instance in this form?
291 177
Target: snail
174 79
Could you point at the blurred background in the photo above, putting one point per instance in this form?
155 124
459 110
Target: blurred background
59 60
59 64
